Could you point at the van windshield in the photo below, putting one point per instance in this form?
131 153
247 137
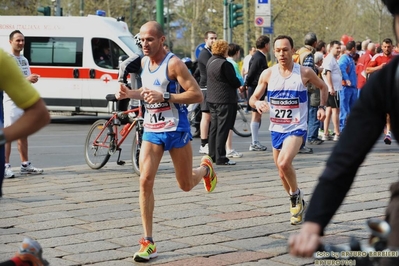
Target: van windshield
130 42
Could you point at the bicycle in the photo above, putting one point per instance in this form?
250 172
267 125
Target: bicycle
356 253
105 137
242 125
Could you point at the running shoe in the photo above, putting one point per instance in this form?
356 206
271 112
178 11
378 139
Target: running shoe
30 169
148 250
297 204
31 251
305 150
8 173
204 149
336 138
256 146
233 154
388 139
299 219
211 179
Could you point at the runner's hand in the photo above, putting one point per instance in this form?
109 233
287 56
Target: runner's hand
122 93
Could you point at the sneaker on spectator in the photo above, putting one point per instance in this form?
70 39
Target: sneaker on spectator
8 173
233 154
336 138
30 169
148 250
325 137
204 149
316 141
388 139
256 146
31 252
305 150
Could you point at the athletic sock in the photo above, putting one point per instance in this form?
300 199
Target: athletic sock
255 131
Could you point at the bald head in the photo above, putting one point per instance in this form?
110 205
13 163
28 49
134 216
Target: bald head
153 26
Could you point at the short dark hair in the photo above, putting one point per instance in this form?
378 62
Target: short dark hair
233 49
262 41
335 42
358 46
387 40
281 37
350 45
310 38
13 33
320 45
209 32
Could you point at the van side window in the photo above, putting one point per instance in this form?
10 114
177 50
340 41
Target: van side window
106 53
54 51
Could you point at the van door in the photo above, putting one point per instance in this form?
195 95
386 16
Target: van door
58 61
103 73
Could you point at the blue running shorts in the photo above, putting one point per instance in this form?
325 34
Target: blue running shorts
169 140
278 138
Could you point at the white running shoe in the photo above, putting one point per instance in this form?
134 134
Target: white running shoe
30 169
204 149
233 154
8 173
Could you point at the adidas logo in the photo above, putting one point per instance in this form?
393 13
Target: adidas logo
157 83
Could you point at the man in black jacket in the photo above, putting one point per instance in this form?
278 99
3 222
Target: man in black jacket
257 64
379 97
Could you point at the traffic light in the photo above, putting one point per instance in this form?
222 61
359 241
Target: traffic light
235 15
46 10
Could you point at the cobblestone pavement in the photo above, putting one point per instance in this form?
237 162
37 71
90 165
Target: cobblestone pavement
91 217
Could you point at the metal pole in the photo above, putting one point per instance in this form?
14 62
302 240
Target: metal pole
58 8
246 28
225 14
160 16
82 7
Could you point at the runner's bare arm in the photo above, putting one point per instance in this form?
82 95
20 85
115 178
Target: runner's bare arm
260 90
177 70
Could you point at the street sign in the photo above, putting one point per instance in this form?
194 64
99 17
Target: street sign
198 49
268 30
263 13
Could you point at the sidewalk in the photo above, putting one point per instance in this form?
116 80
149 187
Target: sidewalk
91 217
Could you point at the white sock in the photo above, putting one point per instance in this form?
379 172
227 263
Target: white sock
254 131
295 193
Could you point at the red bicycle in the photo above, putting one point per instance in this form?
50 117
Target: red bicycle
105 137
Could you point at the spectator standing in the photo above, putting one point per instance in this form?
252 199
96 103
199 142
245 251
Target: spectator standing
222 85
12 112
376 63
348 94
205 54
257 64
362 64
333 78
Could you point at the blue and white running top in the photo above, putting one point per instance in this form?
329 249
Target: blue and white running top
164 116
288 101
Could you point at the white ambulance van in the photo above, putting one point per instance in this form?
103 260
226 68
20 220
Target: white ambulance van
76 58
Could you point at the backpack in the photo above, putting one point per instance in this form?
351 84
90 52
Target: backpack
300 55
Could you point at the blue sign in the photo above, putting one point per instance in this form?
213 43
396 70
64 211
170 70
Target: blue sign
198 49
268 30
263 1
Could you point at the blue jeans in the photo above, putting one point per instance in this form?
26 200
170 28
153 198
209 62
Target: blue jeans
347 97
313 123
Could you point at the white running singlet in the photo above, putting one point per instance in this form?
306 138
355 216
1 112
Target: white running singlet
288 101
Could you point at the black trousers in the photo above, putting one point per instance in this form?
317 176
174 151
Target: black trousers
223 117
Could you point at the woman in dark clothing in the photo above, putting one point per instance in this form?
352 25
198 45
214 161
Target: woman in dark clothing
222 85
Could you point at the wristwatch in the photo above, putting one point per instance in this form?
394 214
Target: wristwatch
322 106
166 96
2 138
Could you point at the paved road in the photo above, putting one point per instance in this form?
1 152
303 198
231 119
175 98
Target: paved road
87 217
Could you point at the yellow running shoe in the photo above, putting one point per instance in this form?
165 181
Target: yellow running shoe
297 207
211 179
147 251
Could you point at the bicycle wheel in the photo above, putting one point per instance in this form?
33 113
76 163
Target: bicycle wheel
137 132
97 145
242 125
